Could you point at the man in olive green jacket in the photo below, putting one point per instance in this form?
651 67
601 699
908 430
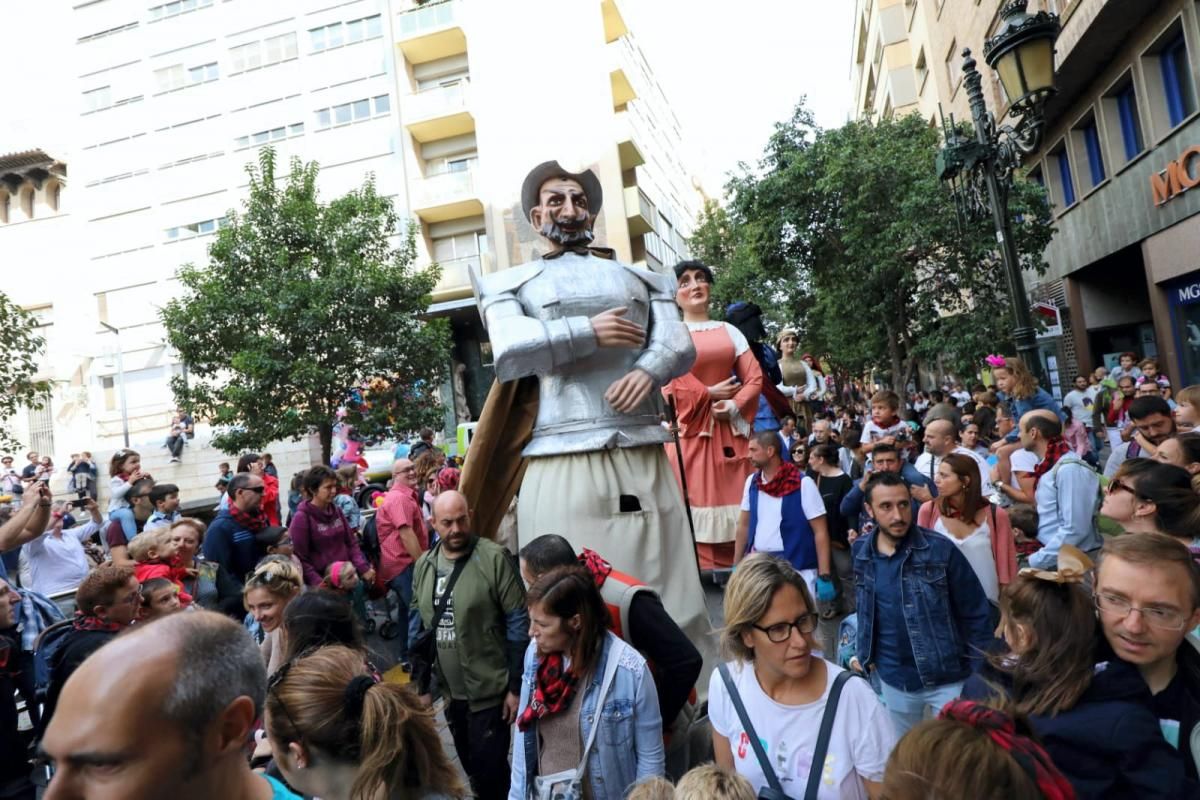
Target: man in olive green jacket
481 641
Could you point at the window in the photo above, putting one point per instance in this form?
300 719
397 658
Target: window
262 54
96 99
203 73
1035 175
27 202
922 71
1091 143
355 111
5 206
1131 123
271 135
1063 180
41 428
176 8
327 37
91 37
1177 80
953 68
194 229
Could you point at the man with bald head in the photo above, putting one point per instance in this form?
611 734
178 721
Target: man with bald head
941 439
1066 491
469 594
402 539
179 730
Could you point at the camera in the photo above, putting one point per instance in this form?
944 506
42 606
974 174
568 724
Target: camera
904 435
81 498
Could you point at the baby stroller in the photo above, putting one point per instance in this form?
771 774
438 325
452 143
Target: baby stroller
390 629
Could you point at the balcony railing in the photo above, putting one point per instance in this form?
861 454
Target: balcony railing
456 273
449 195
440 112
431 31
639 211
427 18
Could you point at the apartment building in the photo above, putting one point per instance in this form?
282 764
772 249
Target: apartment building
447 103
484 96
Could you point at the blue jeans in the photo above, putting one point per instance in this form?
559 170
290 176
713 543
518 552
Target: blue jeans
908 708
406 614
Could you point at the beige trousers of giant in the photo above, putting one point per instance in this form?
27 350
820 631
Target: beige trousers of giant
578 496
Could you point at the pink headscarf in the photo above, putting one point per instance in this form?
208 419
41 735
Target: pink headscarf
335 573
448 478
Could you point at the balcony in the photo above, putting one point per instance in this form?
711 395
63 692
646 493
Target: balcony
431 31
449 195
622 64
628 136
614 23
455 282
439 113
639 211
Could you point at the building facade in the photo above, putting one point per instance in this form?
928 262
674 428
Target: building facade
907 58
1122 151
448 104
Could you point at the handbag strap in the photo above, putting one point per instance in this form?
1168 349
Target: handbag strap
459 565
610 671
818 762
763 762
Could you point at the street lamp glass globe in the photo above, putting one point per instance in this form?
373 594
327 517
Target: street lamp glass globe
1027 71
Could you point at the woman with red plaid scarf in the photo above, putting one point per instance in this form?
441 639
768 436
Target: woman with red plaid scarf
587 698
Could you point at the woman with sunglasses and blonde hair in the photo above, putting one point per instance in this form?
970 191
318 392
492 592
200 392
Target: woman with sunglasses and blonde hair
267 592
767 705
338 734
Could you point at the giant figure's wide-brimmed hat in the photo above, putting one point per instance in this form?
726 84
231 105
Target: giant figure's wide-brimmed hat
547 170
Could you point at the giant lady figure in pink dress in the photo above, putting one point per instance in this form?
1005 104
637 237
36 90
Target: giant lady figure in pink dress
716 403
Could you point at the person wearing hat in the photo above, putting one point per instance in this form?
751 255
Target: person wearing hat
581 345
715 404
799 381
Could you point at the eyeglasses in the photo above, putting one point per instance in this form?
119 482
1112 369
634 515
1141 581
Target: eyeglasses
1167 619
273 682
782 631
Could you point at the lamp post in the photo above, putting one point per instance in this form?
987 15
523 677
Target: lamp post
980 170
121 381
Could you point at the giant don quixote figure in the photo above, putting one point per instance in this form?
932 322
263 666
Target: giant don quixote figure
582 345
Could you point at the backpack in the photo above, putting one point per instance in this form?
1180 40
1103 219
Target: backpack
49 642
370 541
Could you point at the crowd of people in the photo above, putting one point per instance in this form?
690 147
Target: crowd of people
978 592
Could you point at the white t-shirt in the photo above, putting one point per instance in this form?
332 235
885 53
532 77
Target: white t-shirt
59 564
859 745
1080 405
1022 460
873 432
767 538
927 464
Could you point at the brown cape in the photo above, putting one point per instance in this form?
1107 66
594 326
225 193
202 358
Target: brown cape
494 467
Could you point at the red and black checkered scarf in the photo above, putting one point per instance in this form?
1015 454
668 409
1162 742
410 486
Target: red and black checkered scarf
553 691
786 480
87 622
252 522
1056 448
1028 754
596 565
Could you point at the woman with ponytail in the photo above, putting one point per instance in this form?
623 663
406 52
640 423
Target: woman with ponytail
337 734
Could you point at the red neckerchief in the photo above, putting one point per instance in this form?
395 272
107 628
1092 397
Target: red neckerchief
1028 754
596 565
552 693
1056 448
949 511
251 522
786 480
86 622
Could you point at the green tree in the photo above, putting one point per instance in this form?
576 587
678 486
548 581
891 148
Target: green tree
307 310
855 240
21 346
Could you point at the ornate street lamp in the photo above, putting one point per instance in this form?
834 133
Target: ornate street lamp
980 170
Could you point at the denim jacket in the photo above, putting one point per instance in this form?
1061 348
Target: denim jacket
945 609
629 744
1041 399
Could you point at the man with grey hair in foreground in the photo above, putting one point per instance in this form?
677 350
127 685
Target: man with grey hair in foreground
178 729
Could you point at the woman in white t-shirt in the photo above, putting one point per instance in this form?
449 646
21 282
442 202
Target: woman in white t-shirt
769 624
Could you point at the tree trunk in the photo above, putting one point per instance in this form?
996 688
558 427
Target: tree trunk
325 432
894 359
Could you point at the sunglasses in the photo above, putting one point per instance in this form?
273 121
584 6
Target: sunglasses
1118 485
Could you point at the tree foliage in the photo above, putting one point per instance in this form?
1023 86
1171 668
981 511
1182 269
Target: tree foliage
848 234
304 312
22 347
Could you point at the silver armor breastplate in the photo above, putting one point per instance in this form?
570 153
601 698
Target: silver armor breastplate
537 317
